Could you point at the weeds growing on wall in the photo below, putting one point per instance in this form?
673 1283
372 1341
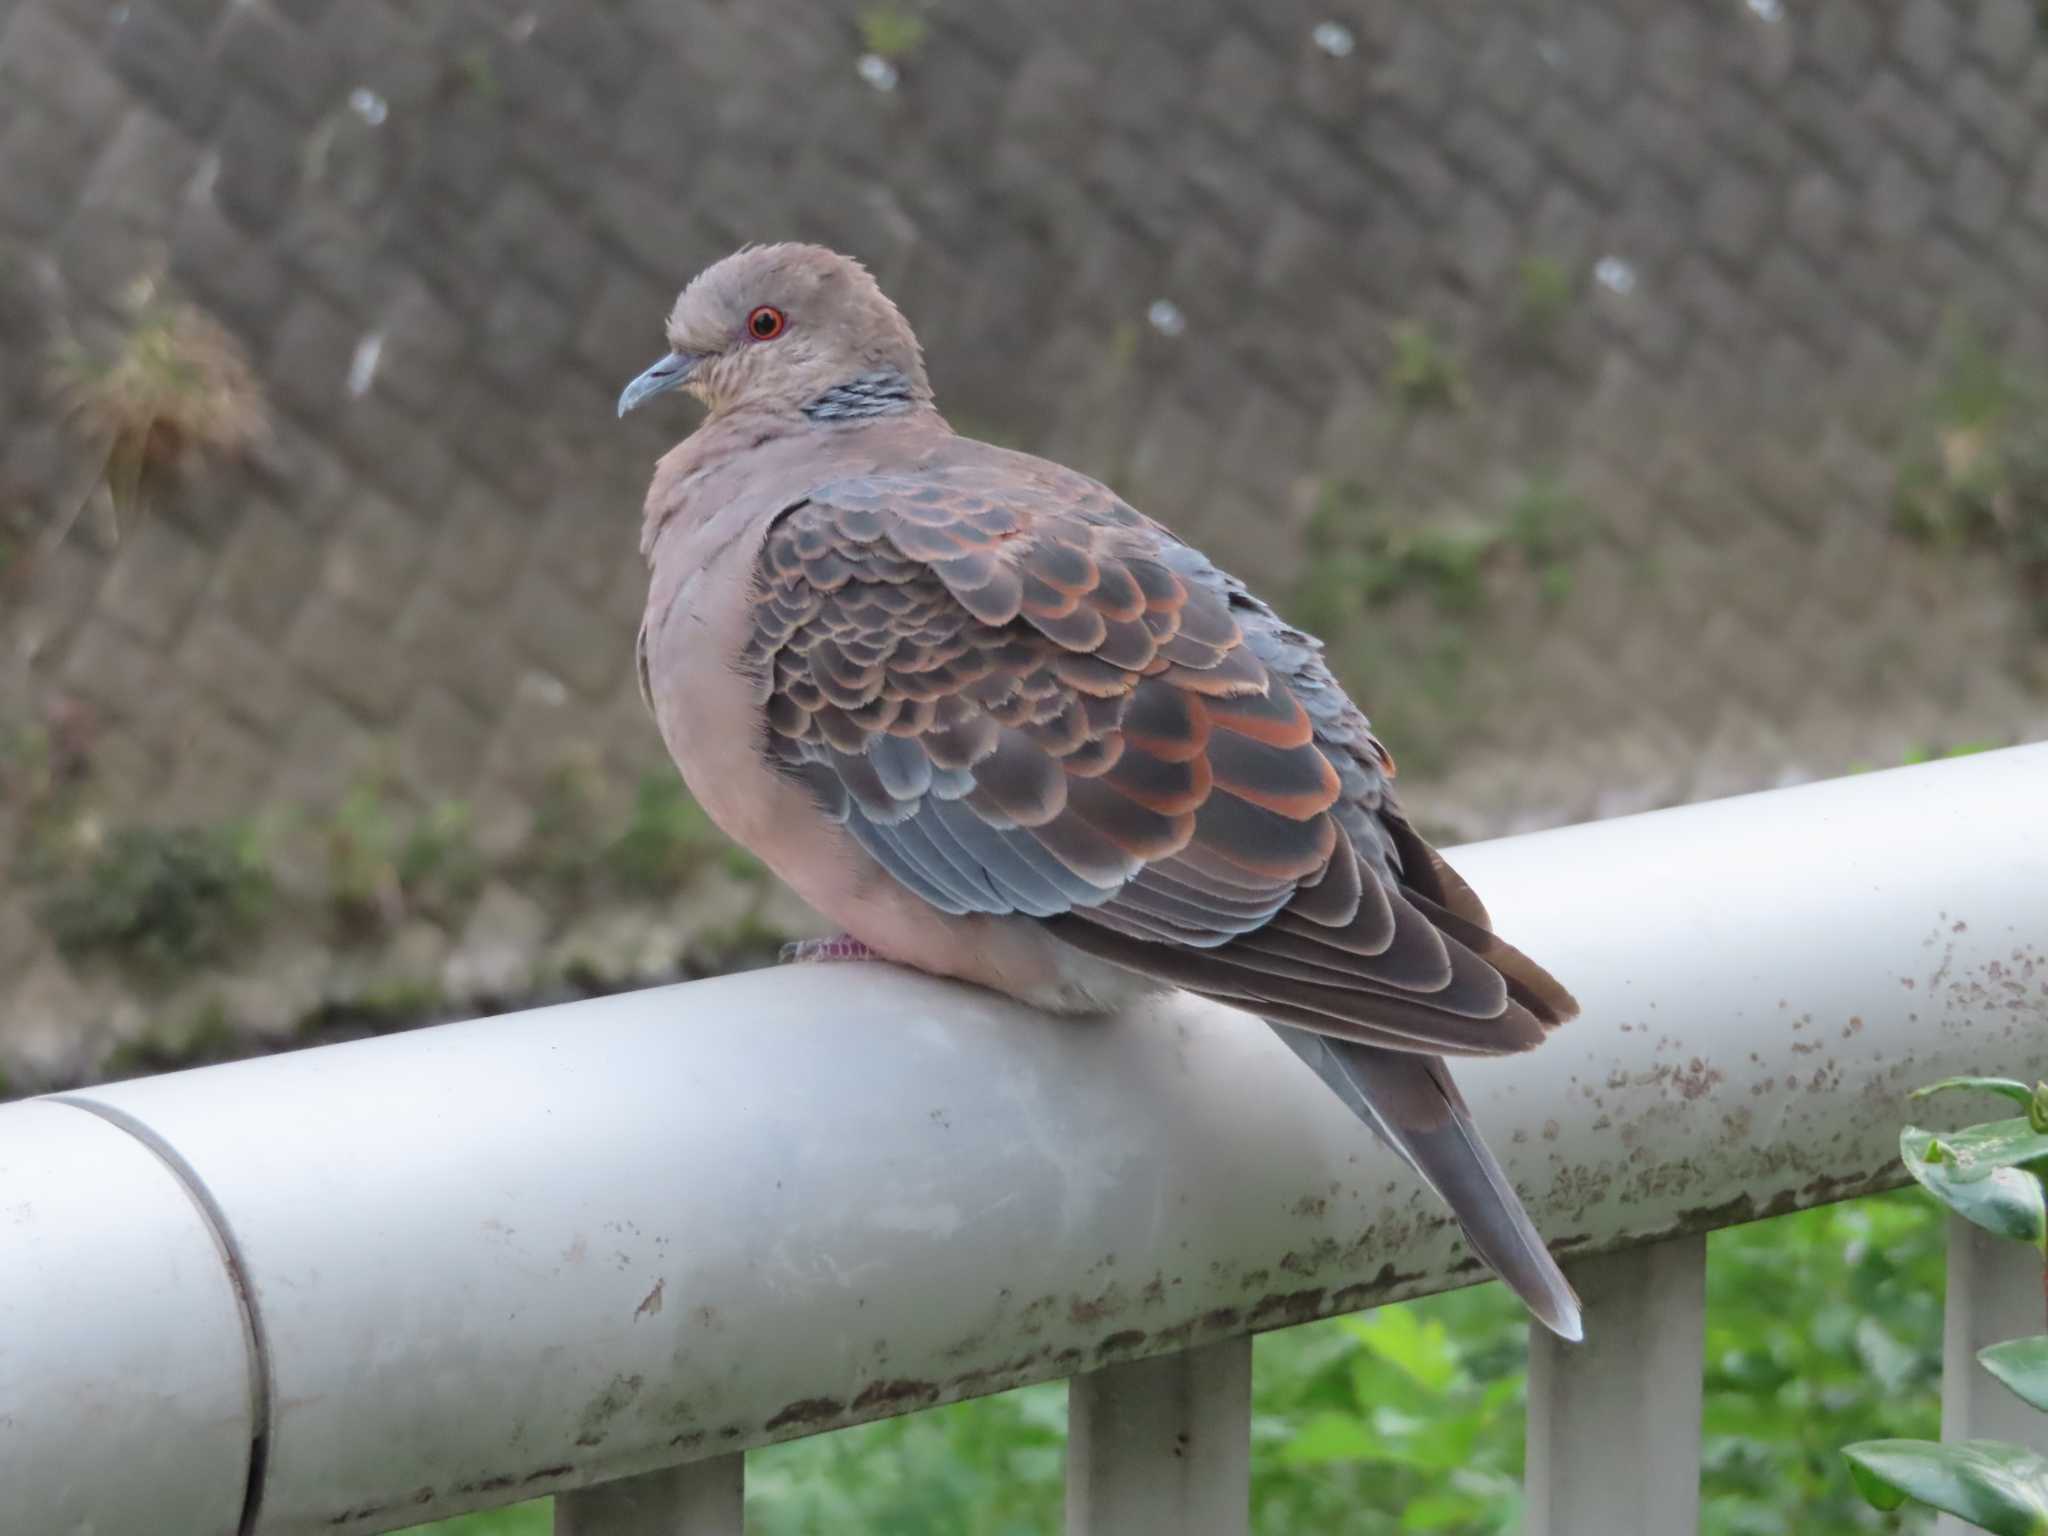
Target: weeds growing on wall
171 389
1360 560
169 901
1975 470
1543 296
162 899
892 30
1425 374
666 839
1360 564
387 861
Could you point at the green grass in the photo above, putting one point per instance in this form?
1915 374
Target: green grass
666 840
1543 295
1822 1328
1975 468
387 861
892 31
1425 375
163 899
1363 559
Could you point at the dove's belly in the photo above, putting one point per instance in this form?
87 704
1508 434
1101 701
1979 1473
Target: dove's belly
708 717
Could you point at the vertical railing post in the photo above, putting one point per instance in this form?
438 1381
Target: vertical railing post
702 1498
1995 1292
1614 1423
1162 1447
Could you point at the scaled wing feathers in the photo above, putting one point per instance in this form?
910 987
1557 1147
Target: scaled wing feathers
1022 696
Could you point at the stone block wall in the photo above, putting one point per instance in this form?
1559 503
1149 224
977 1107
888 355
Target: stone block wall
1691 270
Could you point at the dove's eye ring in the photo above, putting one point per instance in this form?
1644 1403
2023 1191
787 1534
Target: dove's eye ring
765 323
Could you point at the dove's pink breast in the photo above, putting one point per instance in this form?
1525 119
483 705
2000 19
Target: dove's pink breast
698 617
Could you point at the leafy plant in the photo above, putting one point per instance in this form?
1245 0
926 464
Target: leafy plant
163 899
892 31
666 839
386 862
27 763
1359 561
1932 752
1928 753
1547 524
568 825
174 388
201 1038
1976 471
1425 375
1991 1175
1413 1412
1543 295
473 72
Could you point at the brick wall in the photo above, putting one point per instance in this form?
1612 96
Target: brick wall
1762 223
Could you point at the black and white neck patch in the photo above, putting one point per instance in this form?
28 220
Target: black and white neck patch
872 394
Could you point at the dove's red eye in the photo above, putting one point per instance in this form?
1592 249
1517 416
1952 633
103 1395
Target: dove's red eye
765 323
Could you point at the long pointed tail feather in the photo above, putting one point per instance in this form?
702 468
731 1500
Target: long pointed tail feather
1412 1103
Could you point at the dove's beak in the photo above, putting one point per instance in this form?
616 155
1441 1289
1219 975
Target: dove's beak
664 376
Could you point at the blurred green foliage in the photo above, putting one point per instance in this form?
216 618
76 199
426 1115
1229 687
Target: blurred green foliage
1975 469
387 861
1361 562
1425 375
161 898
1821 1327
1994 1174
1543 296
172 900
891 30
666 839
652 848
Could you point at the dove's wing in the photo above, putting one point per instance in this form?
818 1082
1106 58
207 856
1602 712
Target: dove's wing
1021 696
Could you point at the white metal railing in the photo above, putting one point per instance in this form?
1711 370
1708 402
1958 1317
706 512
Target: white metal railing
600 1250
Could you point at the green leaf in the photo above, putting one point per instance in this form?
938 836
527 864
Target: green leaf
1983 1175
1434 1511
1890 1361
1330 1437
1998 1488
2022 1364
2033 1100
1437 1442
1422 1350
1881 1494
2012 1089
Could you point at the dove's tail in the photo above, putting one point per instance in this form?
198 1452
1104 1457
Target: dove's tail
1412 1103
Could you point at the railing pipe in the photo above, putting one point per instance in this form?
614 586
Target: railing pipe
128 1402
528 1254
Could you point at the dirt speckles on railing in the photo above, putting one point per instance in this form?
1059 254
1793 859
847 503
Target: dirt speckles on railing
618 1395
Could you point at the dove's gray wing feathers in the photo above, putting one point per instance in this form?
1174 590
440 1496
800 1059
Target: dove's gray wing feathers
1022 697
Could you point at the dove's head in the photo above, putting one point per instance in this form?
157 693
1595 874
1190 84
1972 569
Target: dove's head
784 328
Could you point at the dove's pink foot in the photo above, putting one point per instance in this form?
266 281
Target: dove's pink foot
841 946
